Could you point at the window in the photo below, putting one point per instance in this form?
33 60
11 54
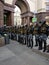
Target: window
47 7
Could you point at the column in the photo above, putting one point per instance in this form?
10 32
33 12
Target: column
12 18
1 14
22 21
28 21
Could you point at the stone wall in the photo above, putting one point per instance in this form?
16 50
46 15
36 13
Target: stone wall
1 13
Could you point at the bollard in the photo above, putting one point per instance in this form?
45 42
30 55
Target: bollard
2 41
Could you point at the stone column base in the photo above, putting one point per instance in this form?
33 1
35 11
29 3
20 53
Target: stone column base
2 41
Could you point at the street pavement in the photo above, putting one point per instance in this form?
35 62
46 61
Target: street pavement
18 54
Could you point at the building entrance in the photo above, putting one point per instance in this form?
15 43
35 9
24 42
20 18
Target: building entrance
7 12
7 18
25 9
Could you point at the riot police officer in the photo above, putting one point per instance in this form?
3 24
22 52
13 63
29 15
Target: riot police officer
27 36
44 40
37 36
31 36
36 39
44 35
47 32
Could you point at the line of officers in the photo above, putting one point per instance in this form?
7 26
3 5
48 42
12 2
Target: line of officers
40 31
25 35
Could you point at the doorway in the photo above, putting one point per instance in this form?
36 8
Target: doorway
7 18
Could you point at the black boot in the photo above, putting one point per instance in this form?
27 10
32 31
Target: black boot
48 51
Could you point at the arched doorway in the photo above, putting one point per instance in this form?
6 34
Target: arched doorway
17 16
22 4
7 18
8 12
24 7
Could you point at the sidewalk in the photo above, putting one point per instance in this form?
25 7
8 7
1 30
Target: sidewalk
18 54
35 49
45 54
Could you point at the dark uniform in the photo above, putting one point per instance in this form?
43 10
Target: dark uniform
30 37
27 35
48 35
37 34
44 40
40 38
37 39
43 35
40 42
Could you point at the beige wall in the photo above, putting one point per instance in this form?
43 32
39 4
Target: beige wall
1 14
32 5
41 6
8 1
35 5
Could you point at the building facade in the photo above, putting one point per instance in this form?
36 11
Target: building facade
27 7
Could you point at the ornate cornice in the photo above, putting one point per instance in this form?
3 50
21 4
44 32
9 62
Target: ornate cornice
9 5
